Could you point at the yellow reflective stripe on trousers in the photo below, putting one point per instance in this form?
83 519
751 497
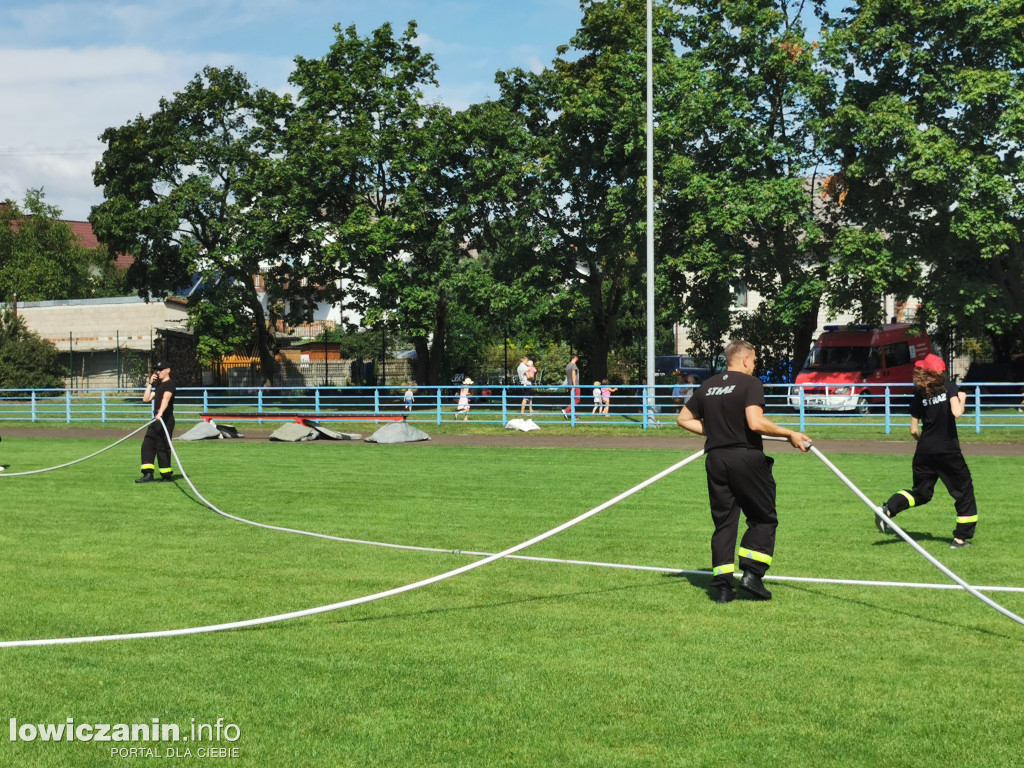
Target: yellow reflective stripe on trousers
968 519
164 471
758 556
909 498
149 466
718 570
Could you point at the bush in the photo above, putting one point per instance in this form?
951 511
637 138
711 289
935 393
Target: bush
26 360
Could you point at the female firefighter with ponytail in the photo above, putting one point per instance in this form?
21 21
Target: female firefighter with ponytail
938 404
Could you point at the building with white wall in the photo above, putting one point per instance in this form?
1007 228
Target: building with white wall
99 336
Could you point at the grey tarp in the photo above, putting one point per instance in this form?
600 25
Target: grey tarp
208 430
398 432
310 430
294 433
323 433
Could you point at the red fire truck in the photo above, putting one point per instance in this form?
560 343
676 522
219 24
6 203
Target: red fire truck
849 367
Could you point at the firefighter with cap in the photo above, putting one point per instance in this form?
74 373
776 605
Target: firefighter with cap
156 446
728 409
935 407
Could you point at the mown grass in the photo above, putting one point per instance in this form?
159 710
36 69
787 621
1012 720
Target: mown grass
518 663
834 427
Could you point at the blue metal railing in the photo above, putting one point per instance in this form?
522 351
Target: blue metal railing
802 407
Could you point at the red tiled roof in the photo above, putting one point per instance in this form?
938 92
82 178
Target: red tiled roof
88 239
83 229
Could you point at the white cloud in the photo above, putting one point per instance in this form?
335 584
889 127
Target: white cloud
65 99
72 68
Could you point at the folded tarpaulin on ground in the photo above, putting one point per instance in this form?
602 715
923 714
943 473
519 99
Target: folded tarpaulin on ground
308 431
208 430
398 432
293 433
523 425
323 433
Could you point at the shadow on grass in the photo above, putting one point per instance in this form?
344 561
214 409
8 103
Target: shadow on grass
500 604
703 581
895 611
892 538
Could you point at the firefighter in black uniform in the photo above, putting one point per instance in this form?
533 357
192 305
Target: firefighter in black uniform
938 403
728 410
156 446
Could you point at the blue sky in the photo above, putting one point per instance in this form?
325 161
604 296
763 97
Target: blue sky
69 70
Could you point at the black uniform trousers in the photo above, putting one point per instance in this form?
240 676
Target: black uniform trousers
156 450
952 470
741 479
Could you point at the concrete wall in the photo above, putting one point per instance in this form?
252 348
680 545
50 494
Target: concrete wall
99 337
97 325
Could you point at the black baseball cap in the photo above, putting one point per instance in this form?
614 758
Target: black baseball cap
160 365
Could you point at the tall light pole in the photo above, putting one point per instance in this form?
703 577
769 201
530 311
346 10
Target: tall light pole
648 412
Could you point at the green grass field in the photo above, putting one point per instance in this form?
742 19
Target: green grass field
518 663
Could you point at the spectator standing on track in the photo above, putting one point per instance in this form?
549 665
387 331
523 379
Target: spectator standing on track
728 410
156 446
606 397
596 393
679 391
572 380
531 379
938 404
524 382
463 406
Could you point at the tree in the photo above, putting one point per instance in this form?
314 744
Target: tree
26 360
930 127
743 205
198 188
386 180
106 277
41 258
380 197
471 171
583 192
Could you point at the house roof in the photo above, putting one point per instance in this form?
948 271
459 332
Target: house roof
83 230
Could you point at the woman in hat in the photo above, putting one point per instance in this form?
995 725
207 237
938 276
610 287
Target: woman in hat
936 406
463 407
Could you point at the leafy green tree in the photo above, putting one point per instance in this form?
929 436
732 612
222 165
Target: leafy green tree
41 258
385 185
198 188
105 277
930 128
26 360
472 171
355 139
743 203
582 207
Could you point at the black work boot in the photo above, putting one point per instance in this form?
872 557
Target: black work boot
752 584
167 477
880 523
147 477
724 595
